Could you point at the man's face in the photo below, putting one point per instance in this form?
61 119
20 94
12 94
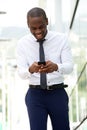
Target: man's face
38 26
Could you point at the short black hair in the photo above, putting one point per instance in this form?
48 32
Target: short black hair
36 12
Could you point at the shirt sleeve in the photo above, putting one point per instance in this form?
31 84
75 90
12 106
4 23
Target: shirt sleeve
22 64
66 60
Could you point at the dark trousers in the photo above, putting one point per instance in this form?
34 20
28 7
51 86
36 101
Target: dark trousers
41 103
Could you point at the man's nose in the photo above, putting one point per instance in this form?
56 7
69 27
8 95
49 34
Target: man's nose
38 31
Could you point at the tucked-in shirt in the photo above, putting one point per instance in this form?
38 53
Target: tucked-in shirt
56 49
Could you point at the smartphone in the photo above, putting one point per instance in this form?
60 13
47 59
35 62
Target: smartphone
41 63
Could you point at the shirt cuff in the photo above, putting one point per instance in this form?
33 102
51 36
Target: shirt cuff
60 68
24 73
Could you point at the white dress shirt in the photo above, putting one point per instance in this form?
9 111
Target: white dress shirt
56 49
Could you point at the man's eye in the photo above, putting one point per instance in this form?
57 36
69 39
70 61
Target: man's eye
41 27
33 28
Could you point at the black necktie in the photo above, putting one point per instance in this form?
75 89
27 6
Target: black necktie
43 80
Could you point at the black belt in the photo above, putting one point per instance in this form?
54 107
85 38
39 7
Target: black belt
52 87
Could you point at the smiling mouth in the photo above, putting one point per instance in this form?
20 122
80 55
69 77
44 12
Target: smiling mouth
39 36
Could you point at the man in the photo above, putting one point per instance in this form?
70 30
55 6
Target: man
50 99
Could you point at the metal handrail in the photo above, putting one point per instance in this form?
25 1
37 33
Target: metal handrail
74 13
79 77
80 123
83 69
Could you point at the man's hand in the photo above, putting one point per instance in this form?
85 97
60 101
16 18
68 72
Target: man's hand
34 67
49 67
